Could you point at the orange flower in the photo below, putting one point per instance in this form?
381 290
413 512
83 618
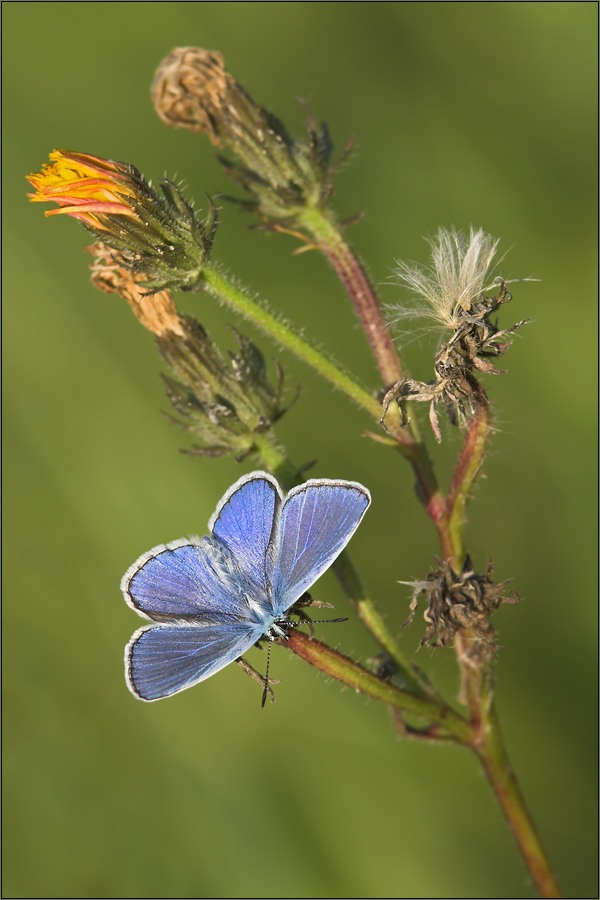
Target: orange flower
156 233
86 187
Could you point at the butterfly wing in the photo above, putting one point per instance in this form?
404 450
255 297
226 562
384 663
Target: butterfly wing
209 608
161 660
186 579
244 522
317 521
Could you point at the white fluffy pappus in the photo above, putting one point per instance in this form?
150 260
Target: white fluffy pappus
457 276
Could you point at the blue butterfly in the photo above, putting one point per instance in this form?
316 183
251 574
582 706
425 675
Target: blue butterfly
214 597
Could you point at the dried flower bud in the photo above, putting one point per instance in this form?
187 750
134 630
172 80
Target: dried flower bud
189 86
191 89
227 406
156 311
457 602
157 235
452 294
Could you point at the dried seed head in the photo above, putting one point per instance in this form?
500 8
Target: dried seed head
458 275
225 404
191 89
460 601
451 293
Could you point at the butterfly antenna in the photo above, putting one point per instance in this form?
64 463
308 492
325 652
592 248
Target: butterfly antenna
266 690
325 621
306 620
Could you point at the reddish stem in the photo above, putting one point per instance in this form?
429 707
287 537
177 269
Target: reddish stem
325 231
358 286
450 724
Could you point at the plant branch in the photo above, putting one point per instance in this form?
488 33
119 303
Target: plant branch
464 477
323 228
450 724
414 680
257 313
497 767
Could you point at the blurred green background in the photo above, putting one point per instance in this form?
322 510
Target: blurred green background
464 113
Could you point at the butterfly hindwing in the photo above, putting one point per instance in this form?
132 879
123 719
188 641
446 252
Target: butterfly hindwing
161 660
317 521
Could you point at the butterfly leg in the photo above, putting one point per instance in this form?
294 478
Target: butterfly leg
247 668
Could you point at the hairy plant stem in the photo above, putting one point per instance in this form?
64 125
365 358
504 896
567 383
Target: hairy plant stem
477 678
496 764
464 477
323 228
257 313
414 680
450 724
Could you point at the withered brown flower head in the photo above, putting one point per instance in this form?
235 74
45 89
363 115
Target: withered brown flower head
156 311
460 601
191 89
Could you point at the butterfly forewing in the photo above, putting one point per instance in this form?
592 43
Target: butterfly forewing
317 521
244 521
161 660
186 579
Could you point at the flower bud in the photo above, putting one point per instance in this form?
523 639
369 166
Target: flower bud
157 235
224 404
191 89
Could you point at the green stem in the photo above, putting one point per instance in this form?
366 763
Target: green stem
464 477
283 335
451 724
477 687
353 587
497 767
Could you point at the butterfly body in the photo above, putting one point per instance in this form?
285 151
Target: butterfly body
212 598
